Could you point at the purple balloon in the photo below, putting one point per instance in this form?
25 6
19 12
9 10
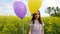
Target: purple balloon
20 9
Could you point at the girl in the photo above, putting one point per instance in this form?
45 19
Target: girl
36 24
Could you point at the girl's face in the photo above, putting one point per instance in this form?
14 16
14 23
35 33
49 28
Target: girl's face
37 15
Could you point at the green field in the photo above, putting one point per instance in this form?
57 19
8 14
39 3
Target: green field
13 25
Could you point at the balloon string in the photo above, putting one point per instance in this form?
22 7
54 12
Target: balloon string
22 25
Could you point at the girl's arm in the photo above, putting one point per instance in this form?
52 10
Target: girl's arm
30 31
43 30
30 27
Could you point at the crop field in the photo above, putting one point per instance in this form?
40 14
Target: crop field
14 25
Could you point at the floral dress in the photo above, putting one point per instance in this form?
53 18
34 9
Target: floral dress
36 28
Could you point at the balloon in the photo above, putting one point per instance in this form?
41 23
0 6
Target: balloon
34 5
20 9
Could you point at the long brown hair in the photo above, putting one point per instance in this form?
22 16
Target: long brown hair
39 19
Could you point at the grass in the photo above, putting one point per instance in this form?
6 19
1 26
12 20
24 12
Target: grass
13 25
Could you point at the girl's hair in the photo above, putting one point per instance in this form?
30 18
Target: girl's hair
39 19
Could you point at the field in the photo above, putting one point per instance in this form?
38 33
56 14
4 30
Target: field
13 25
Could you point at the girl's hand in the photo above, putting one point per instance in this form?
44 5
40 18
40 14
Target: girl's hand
29 32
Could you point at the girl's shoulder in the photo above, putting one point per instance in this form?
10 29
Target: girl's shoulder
42 23
31 23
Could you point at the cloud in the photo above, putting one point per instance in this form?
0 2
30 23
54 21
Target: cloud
5 5
52 3
1 9
7 9
47 3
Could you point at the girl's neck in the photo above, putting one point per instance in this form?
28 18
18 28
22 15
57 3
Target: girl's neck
36 19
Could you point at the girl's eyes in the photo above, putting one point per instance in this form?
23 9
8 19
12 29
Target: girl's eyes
38 14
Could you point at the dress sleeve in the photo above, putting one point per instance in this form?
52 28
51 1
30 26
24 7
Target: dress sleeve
42 23
31 24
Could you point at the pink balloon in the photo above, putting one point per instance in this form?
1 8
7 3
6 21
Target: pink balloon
20 9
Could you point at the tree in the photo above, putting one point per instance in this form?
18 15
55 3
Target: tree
48 10
52 11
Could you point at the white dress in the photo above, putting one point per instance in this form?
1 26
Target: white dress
36 28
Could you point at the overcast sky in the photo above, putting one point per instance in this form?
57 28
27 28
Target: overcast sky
6 6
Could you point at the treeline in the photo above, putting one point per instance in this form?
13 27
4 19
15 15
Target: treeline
53 11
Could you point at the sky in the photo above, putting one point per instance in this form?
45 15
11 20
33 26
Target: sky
6 7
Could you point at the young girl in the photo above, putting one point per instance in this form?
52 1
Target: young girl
36 24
